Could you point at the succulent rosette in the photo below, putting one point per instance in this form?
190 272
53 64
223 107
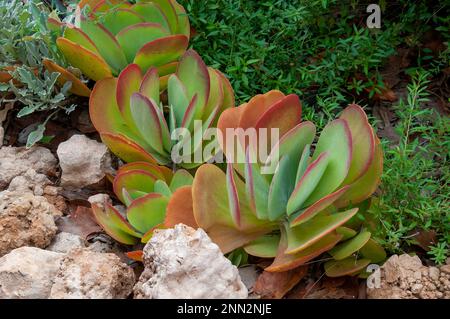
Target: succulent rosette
300 210
145 190
109 35
138 125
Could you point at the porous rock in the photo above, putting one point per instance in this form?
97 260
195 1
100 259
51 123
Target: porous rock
65 242
85 274
15 161
25 220
184 263
404 277
28 273
83 162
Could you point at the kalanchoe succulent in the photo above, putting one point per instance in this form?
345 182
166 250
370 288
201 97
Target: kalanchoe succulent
300 211
145 189
109 35
137 125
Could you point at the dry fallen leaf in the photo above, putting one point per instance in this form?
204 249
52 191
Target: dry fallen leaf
274 285
80 222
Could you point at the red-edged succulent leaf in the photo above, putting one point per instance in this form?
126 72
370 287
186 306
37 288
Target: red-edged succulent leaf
318 206
77 35
194 75
78 87
349 247
134 182
134 37
335 139
91 64
180 209
212 211
346 232
148 235
308 183
147 212
115 225
304 235
284 262
366 185
233 197
106 44
150 85
160 172
117 20
151 12
349 266
265 246
161 51
128 83
373 251
283 115
147 121
126 149
181 178
363 142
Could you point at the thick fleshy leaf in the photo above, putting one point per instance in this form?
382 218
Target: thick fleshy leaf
162 188
115 225
132 181
257 188
77 35
283 115
346 232
160 172
128 83
307 184
363 142
181 178
91 64
233 198
151 13
335 139
178 99
265 247
179 209
349 266
183 20
366 185
167 69
148 235
126 149
150 85
133 38
212 212
161 51
215 98
318 206
305 160
228 93
103 108
145 116
347 248
147 212
137 255
373 251
170 13
306 234
194 75
116 20
106 44
284 262
257 106
78 87
294 141
282 185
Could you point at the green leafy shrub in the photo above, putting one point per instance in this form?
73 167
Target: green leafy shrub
24 41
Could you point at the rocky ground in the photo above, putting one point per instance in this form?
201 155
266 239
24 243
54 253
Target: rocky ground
51 247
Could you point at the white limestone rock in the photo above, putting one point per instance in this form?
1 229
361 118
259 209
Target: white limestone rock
83 162
28 273
184 263
65 242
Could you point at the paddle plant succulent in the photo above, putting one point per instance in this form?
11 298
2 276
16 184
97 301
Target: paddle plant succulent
110 34
300 210
133 122
145 189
